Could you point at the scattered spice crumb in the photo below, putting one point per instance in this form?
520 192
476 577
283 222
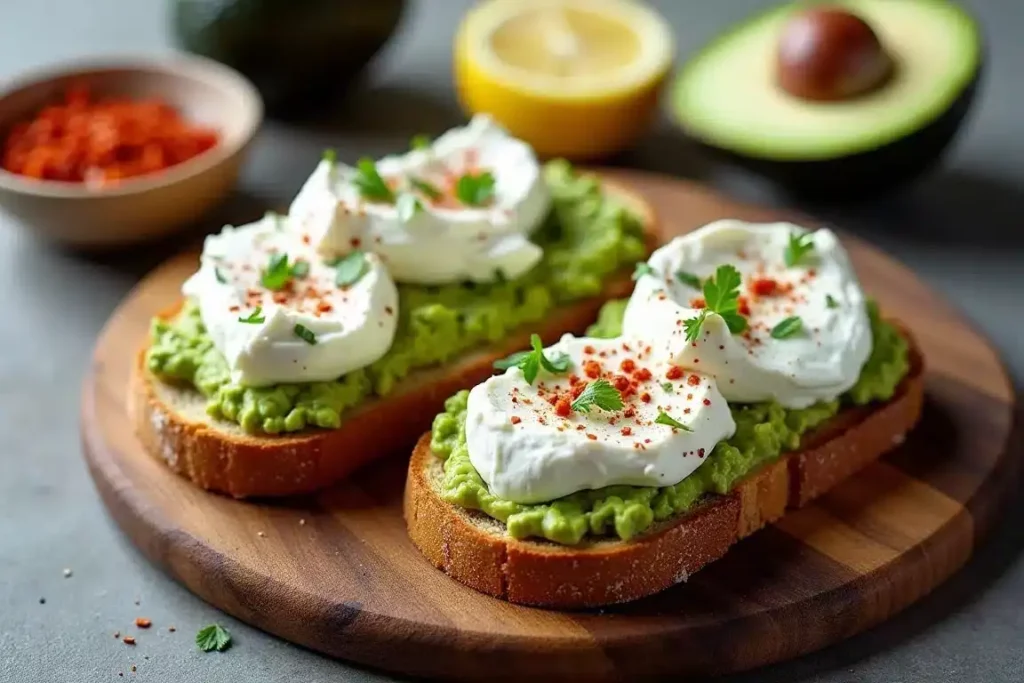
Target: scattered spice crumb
171 629
67 573
143 622
117 634
128 640
42 601
137 601
132 668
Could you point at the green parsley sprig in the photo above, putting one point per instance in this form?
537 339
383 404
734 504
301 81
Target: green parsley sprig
475 189
429 190
830 301
799 248
598 393
369 183
721 296
788 327
254 318
278 272
642 268
530 362
688 279
213 637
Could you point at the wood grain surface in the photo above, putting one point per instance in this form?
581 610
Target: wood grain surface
336 573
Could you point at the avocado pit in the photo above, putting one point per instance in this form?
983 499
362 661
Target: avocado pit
830 54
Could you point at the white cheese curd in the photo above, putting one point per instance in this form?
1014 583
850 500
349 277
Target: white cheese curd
443 240
349 326
818 362
530 446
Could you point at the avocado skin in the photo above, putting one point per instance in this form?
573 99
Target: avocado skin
876 172
302 55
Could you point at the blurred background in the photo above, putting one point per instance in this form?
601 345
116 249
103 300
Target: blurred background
928 165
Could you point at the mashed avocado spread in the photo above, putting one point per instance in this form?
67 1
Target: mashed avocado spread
587 237
763 432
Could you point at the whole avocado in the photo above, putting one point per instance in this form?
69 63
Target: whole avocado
301 55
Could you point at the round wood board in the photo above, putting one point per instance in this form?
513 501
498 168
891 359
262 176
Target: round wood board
335 572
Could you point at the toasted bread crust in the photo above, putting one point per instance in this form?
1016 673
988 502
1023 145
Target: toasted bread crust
464 544
244 465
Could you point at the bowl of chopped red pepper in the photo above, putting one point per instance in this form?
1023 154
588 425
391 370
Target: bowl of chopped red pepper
123 150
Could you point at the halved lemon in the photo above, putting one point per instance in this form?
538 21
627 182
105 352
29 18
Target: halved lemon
574 78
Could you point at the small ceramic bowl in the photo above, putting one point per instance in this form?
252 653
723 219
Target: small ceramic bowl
147 206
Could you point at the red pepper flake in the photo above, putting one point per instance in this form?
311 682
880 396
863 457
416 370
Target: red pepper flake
143 622
563 408
686 411
324 307
645 397
744 306
626 431
580 428
573 380
588 349
697 302
592 437
620 382
707 401
693 380
642 375
234 309
592 369
628 365
355 242
764 286
515 419
128 640
389 310
700 452
515 399
629 412
625 346
305 239
577 390
675 372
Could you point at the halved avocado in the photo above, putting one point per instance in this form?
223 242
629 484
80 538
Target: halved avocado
731 98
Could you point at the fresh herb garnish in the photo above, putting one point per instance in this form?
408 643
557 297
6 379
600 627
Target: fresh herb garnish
788 327
350 268
666 419
721 296
530 362
213 637
300 269
420 141
642 268
305 334
688 279
668 387
254 318
831 302
369 183
277 273
428 189
598 393
800 245
219 275
331 157
408 205
475 190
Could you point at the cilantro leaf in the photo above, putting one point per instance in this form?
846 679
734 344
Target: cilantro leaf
475 190
693 325
369 183
598 393
688 279
277 273
668 387
787 328
213 637
721 296
300 269
666 419
800 245
831 302
530 362
330 156
350 268
305 334
408 206
254 318
428 189
642 268
420 141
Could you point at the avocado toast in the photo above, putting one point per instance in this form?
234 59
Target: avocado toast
634 521
285 438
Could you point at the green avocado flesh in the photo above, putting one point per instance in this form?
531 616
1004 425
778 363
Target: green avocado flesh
586 238
763 432
728 97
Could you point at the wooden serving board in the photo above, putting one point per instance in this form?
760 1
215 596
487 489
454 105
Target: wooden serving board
335 572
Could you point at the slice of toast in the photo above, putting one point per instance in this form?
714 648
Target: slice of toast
476 550
172 423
